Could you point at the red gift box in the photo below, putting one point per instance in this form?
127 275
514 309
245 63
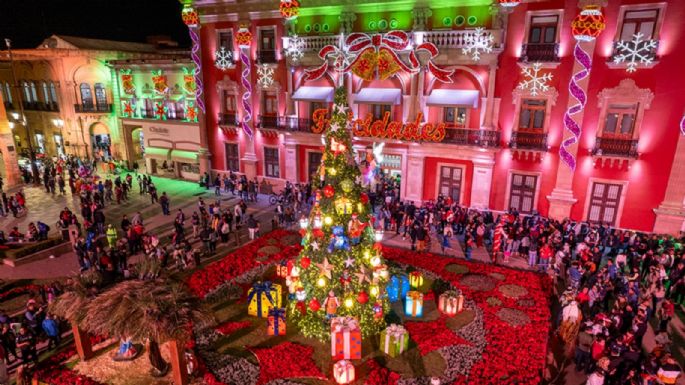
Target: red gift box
346 339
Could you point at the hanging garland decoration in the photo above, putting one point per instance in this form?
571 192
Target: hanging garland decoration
160 82
127 82
191 112
289 9
585 27
191 18
244 40
128 109
378 55
160 110
189 80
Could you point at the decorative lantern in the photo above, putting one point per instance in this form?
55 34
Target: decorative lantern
343 372
289 9
451 302
328 191
300 294
282 269
243 37
343 206
509 3
190 16
415 279
346 185
588 24
378 235
318 223
304 222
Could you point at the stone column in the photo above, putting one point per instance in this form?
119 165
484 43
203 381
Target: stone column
670 215
291 161
488 121
412 178
481 184
9 150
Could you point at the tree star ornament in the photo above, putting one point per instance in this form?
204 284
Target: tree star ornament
325 268
266 76
315 246
223 59
479 40
362 276
536 82
349 262
635 52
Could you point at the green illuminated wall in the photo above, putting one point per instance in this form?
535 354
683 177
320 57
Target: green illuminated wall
383 21
318 25
460 17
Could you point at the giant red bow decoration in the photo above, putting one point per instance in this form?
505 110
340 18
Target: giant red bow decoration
377 55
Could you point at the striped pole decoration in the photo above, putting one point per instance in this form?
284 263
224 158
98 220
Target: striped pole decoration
579 94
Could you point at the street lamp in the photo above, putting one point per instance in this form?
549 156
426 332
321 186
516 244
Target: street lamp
32 153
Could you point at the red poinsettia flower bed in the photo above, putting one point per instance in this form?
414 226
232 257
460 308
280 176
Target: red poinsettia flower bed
17 291
53 372
240 261
513 355
286 360
432 335
228 328
379 375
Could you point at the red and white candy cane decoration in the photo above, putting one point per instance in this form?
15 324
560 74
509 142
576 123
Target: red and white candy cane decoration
497 242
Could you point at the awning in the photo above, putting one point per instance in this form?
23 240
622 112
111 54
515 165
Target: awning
452 98
184 156
314 94
379 96
157 153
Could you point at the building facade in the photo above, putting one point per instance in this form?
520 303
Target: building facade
490 138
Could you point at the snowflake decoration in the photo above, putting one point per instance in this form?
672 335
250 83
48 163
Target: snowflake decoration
266 76
341 59
223 59
476 42
634 52
295 49
535 82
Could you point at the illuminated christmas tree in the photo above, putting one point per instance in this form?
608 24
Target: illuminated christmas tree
340 271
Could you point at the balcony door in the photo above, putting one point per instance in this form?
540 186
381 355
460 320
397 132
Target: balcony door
100 97
543 29
450 182
86 95
267 40
604 203
522 193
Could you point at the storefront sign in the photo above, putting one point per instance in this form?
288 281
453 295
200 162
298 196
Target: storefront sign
385 128
160 130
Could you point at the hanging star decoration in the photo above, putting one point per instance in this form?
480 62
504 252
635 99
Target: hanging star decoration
223 59
295 50
635 52
315 246
160 110
128 109
191 113
479 40
362 276
535 81
266 76
349 262
325 268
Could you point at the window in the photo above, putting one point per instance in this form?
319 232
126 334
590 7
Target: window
100 95
639 21
455 116
53 93
379 110
270 104
271 162
229 103
46 92
267 39
522 192
86 95
26 90
7 96
543 29
225 39
450 182
149 110
604 202
232 157
620 120
314 160
532 117
34 93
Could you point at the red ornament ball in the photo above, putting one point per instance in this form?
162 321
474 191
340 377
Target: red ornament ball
190 16
362 297
243 37
289 8
305 262
314 305
589 23
364 198
328 191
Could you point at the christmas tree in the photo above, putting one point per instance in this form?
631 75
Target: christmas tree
340 271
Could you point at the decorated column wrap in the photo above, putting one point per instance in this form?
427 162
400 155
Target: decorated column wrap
244 39
192 19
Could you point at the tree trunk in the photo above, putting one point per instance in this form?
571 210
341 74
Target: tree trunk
178 363
159 366
82 342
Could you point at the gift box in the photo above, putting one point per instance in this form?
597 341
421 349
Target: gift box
276 322
394 340
451 302
343 372
346 338
282 269
413 306
415 279
262 297
397 287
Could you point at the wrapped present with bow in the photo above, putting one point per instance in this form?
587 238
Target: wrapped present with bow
276 322
394 340
262 297
451 302
346 338
343 372
413 306
282 269
397 287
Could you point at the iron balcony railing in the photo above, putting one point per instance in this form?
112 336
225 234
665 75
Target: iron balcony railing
540 52
470 137
89 107
528 141
228 119
286 123
266 57
626 148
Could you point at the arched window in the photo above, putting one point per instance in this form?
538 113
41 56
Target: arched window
34 93
100 95
26 90
53 93
86 95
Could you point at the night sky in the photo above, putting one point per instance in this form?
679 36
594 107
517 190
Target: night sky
28 22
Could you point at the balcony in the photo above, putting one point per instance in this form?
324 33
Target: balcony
286 123
33 106
228 119
266 57
467 137
88 107
624 148
521 140
540 52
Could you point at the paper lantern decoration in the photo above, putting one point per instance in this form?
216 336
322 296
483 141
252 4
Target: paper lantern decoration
343 206
314 305
276 322
588 24
509 3
262 297
347 185
414 304
190 16
243 37
343 372
394 340
328 191
362 297
282 269
415 279
300 294
451 302
289 9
